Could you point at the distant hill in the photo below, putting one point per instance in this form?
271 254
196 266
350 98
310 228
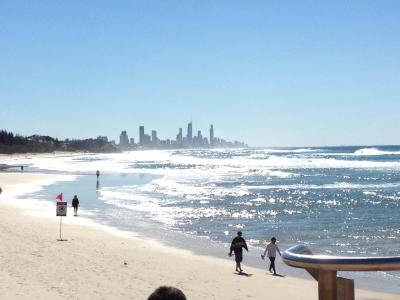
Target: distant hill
14 143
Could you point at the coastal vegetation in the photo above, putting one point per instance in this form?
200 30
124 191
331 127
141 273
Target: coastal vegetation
15 143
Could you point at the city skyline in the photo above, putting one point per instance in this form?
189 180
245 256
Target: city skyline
271 73
189 141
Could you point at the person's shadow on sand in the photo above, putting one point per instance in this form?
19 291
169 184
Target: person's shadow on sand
277 275
243 274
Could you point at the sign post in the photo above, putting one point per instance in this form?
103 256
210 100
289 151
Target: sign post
61 212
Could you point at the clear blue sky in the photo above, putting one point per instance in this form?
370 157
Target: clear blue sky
272 73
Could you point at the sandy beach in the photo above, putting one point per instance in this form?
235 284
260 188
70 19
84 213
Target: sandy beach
90 264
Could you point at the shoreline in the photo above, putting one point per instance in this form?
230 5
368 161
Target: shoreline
37 265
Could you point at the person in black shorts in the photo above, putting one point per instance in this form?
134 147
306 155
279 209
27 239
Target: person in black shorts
237 245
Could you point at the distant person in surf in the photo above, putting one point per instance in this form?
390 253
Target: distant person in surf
75 205
270 252
237 245
97 182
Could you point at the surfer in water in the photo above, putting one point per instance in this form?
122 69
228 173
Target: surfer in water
237 245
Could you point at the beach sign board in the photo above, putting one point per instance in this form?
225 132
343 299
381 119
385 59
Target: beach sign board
61 209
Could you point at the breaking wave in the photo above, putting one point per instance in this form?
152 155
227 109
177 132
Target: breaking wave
374 151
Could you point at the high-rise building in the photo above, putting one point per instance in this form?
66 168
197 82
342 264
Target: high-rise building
154 139
199 139
132 141
141 135
123 139
212 134
179 137
189 136
146 140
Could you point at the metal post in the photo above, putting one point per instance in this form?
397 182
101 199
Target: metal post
60 228
327 289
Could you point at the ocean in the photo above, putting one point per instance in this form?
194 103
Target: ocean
336 200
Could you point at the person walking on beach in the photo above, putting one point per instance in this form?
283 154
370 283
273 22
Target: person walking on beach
237 245
270 251
75 205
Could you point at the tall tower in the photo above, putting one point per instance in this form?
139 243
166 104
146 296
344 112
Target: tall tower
212 135
123 139
154 138
189 135
141 135
179 137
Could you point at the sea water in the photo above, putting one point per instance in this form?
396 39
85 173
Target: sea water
335 200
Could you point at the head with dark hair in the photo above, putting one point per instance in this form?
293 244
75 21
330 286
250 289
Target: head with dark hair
239 233
167 293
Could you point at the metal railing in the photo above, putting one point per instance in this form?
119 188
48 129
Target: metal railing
324 269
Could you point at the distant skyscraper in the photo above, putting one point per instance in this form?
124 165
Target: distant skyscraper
123 139
132 141
141 135
154 139
212 135
189 136
146 140
199 138
179 137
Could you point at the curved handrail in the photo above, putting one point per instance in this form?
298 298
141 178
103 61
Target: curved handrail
300 256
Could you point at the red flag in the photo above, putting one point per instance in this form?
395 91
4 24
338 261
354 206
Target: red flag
59 197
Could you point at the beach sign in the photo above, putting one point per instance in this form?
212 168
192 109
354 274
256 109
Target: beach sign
61 209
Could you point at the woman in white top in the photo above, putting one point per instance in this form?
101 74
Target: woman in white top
270 251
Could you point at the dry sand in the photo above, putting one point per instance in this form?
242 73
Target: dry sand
90 265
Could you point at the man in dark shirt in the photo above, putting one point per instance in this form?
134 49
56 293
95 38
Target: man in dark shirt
238 243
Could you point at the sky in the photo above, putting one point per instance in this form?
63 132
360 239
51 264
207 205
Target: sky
270 73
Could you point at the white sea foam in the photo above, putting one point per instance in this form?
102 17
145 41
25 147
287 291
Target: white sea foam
187 178
176 163
337 185
291 150
22 189
374 151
